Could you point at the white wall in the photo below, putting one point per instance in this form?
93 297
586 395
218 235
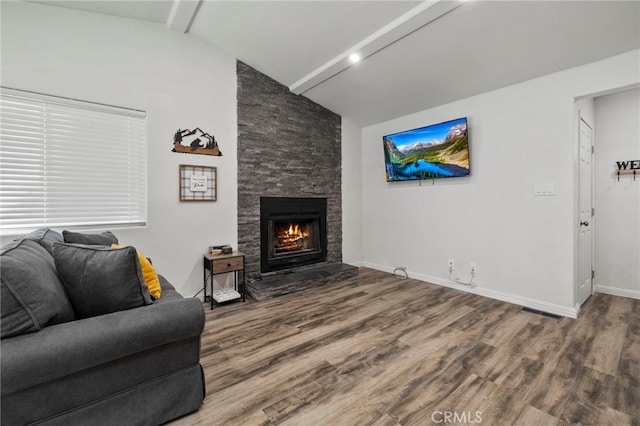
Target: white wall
351 193
523 245
177 80
617 219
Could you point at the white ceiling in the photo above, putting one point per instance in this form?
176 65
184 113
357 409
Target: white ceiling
149 10
415 58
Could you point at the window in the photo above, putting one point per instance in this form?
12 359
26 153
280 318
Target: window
68 163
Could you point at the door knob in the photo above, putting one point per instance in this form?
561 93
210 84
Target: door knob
585 223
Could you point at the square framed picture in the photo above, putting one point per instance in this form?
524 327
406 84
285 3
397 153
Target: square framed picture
198 183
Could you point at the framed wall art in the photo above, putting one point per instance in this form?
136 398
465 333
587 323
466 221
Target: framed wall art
198 183
195 141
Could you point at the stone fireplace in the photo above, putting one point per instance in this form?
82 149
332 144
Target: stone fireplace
289 148
293 232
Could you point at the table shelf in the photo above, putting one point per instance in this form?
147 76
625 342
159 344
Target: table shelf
225 295
223 264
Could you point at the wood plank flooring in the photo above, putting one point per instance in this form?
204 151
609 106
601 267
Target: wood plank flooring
378 350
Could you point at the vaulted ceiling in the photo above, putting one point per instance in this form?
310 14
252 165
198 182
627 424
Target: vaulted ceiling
415 54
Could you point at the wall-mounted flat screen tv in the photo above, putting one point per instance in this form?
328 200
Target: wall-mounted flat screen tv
436 151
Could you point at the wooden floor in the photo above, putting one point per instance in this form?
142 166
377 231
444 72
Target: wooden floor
379 350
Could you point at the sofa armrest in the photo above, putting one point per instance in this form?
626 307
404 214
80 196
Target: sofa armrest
64 349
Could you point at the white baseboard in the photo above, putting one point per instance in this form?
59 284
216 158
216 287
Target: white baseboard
615 291
552 308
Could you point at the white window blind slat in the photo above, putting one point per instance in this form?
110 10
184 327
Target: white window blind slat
68 163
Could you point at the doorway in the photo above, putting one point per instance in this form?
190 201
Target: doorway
585 203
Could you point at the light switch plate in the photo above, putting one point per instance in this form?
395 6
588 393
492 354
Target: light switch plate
544 188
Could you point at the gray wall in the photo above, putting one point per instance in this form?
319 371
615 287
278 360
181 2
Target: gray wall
288 146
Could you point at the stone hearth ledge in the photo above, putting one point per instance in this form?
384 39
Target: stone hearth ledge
301 279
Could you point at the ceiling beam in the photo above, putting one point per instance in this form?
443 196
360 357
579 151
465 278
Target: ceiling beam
416 18
182 14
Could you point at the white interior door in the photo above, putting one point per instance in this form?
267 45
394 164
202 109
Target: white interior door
585 238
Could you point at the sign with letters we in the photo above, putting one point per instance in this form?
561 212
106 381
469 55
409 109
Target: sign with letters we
629 167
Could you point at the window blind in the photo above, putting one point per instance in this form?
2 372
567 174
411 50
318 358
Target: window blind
69 163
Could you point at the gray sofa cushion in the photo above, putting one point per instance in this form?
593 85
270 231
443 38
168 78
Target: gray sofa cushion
45 237
31 294
100 280
104 239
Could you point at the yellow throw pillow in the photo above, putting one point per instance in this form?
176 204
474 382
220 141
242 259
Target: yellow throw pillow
148 272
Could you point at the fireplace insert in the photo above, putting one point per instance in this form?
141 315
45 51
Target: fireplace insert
293 232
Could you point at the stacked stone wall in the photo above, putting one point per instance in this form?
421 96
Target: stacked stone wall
288 146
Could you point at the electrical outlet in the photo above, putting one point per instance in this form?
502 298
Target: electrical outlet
472 268
451 266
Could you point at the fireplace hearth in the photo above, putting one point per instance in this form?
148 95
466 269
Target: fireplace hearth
293 232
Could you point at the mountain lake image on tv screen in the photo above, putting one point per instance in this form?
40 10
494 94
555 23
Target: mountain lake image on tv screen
431 152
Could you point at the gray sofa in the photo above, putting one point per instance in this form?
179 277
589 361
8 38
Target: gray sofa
81 356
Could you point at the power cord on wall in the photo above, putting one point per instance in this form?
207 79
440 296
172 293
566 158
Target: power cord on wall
401 272
470 283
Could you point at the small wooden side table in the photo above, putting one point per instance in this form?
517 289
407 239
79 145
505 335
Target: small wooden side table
223 264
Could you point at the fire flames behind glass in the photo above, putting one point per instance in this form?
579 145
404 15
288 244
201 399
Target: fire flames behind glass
291 237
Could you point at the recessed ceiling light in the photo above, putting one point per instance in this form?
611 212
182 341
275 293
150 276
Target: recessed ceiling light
354 57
